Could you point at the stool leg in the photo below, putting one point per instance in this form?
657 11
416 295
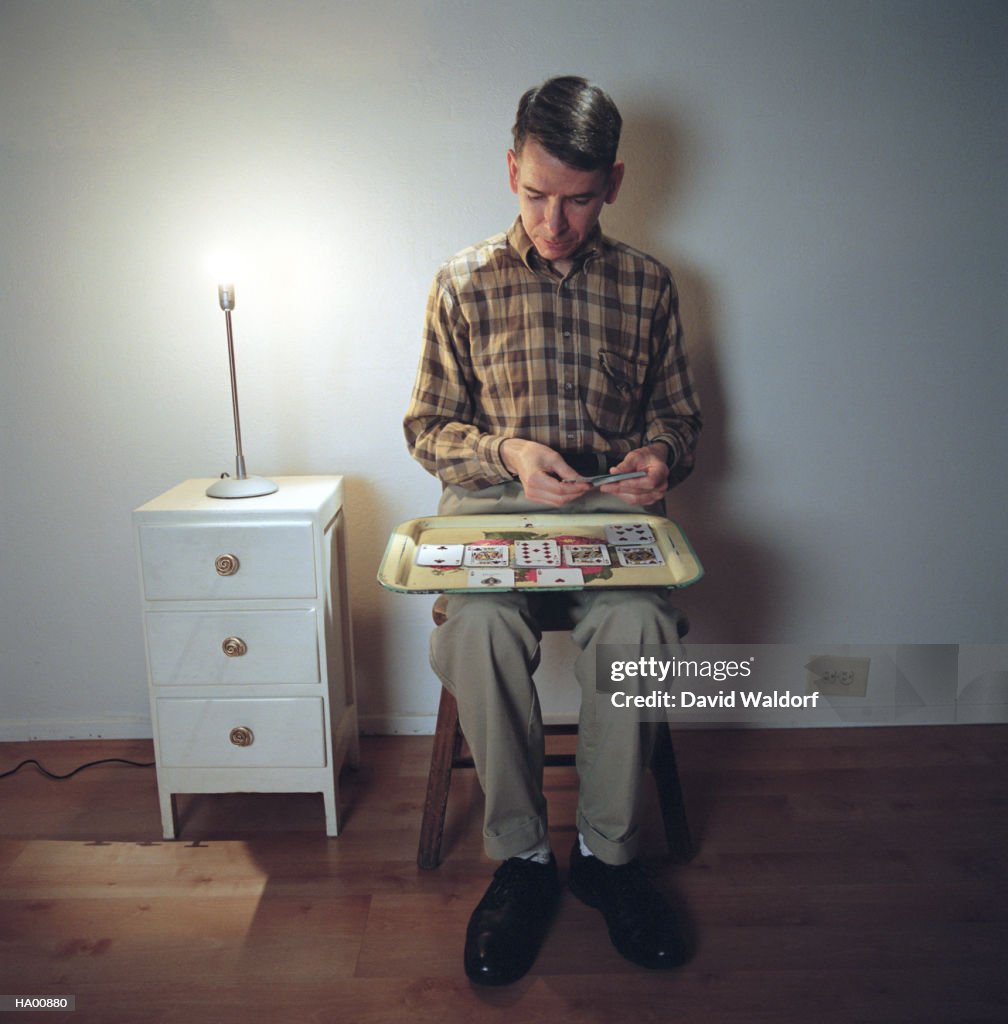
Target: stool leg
666 773
447 745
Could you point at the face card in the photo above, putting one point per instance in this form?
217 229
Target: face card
486 555
537 552
491 579
630 533
559 578
586 554
440 554
644 554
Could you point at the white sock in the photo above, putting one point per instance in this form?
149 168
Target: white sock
585 852
540 853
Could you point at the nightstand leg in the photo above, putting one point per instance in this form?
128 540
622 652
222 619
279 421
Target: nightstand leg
169 814
331 801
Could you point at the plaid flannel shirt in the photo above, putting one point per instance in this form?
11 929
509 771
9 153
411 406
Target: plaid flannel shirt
592 362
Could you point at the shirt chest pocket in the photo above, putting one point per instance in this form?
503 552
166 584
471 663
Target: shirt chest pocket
613 397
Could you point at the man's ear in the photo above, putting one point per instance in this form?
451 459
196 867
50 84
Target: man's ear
512 162
615 180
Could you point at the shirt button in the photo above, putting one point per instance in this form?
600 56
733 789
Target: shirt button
568 388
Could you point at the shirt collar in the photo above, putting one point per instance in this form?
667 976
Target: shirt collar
522 244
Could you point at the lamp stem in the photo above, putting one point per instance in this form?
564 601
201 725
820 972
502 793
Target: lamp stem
242 485
240 473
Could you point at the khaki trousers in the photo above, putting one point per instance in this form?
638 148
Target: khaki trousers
486 654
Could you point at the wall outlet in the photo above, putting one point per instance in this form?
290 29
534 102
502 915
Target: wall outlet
835 676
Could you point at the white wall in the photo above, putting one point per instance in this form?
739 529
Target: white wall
827 180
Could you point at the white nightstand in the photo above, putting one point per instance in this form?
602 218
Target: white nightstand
249 647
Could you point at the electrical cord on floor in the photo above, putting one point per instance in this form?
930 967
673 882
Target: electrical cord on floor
80 768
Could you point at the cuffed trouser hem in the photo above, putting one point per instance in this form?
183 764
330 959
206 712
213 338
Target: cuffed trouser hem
518 840
609 851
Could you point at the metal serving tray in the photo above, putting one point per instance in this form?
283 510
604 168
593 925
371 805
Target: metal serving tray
400 572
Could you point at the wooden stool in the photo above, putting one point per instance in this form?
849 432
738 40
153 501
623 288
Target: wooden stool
448 755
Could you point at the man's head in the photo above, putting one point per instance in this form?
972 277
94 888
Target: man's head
563 167
571 119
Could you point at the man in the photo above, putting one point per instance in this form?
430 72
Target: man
552 353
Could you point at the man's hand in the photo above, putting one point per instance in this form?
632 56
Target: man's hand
544 475
645 490
547 478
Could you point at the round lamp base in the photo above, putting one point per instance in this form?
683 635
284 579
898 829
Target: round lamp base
246 487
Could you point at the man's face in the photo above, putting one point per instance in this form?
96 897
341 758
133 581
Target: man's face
559 205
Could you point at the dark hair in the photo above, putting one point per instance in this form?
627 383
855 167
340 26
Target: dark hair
572 120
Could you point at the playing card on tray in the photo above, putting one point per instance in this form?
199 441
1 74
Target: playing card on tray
634 557
491 579
559 578
439 554
537 552
629 533
486 555
586 554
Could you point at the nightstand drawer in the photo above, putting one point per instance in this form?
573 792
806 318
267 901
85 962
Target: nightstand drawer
239 733
204 562
233 647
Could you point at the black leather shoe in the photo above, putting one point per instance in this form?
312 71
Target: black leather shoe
510 922
642 926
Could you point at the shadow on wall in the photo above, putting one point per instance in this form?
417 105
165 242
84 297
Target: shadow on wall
369 526
732 603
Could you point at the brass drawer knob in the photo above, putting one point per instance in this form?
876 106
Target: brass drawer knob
226 565
242 736
234 647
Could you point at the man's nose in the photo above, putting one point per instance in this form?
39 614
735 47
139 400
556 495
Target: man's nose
556 221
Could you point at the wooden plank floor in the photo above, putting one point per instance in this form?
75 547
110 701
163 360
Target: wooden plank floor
847 876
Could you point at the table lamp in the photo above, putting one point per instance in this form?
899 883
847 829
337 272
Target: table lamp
241 485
